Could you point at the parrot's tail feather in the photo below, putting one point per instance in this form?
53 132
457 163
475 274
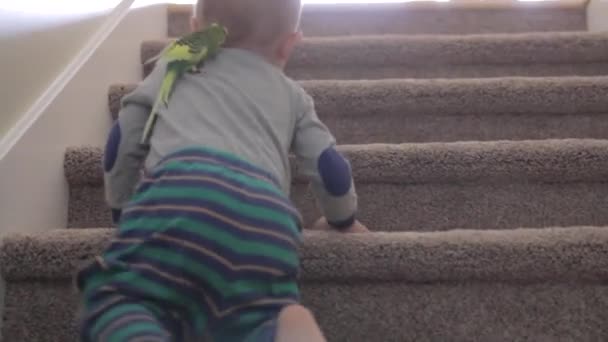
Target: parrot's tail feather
166 87
150 123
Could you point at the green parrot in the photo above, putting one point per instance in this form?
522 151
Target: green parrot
185 54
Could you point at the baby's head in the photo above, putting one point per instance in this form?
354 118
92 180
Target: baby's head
267 27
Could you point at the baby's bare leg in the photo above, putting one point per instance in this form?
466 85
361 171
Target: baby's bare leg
297 324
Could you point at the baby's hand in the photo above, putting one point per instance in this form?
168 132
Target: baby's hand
357 227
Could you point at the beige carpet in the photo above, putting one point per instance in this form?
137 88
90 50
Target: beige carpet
441 56
423 18
435 186
541 285
423 110
486 192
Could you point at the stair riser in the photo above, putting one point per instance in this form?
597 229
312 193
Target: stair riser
374 57
404 19
395 111
399 312
432 186
345 72
445 22
501 162
463 285
387 128
390 207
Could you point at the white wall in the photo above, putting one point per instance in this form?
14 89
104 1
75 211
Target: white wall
597 15
35 49
33 191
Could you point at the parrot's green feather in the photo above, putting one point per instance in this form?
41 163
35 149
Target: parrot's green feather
185 54
151 121
162 98
167 86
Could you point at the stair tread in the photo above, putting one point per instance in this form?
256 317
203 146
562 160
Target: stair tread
492 276
539 47
558 160
517 255
425 17
429 55
483 96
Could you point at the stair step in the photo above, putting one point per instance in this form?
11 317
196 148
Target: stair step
456 17
432 186
405 110
442 56
371 287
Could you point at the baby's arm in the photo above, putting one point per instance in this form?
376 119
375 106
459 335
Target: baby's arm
124 156
328 171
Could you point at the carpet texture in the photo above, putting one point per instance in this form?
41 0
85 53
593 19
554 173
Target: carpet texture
523 284
400 110
486 193
440 56
424 18
433 186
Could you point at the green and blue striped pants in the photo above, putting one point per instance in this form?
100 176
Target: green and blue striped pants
207 247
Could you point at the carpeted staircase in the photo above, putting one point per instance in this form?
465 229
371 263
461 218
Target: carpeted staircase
479 142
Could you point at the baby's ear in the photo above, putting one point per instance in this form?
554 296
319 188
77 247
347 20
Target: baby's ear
292 40
297 37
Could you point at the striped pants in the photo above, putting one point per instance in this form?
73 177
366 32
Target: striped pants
207 248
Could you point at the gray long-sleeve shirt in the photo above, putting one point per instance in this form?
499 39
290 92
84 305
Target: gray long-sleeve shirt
241 104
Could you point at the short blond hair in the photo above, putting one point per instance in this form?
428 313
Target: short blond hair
260 22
